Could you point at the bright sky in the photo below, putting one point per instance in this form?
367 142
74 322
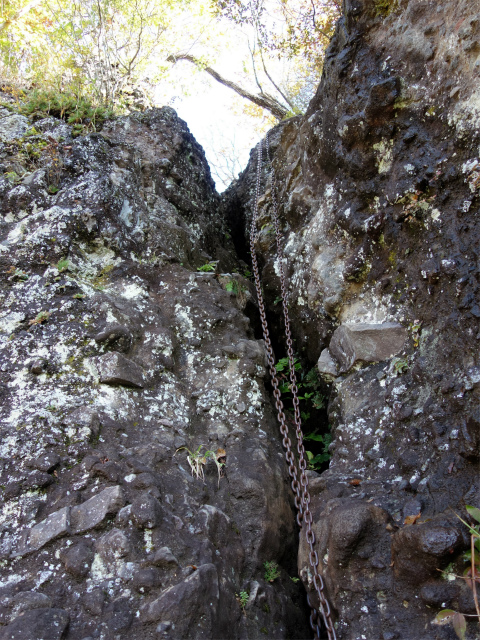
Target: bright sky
213 112
216 127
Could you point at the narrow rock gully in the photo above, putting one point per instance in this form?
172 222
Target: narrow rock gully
130 352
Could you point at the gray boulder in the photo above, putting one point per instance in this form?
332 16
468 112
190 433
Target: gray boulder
354 343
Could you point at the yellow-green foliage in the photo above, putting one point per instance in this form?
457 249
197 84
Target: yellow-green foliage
76 110
385 7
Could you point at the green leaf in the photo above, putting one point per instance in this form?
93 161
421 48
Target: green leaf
62 264
445 616
316 437
282 364
460 625
473 512
208 268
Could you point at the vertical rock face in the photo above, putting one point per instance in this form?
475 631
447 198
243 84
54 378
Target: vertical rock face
117 358
379 186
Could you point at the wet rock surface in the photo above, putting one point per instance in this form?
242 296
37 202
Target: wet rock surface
117 358
379 201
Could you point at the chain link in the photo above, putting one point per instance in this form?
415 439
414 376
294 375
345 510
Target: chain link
299 482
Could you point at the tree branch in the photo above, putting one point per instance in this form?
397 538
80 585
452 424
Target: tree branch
262 99
289 102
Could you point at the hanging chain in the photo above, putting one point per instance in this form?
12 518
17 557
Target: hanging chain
299 484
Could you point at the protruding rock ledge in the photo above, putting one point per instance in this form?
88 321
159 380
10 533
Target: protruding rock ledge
353 343
114 368
72 520
327 367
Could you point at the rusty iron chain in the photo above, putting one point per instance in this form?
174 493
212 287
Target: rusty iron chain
299 480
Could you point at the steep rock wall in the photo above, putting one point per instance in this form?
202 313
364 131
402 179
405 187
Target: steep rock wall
116 355
379 190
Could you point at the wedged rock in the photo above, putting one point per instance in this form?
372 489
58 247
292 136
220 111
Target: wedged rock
113 545
189 605
37 624
114 368
252 349
327 366
28 600
77 559
92 512
354 343
56 525
85 421
46 462
164 558
146 511
146 579
420 550
115 337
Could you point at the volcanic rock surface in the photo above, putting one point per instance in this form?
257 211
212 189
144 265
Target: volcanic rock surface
119 360
379 191
117 357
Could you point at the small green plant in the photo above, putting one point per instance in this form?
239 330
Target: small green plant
62 264
294 580
471 575
77 110
209 267
16 274
415 204
232 287
43 316
198 459
12 176
283 365
415 329
308 384
272 571
242 599
52 189
400 365
315 462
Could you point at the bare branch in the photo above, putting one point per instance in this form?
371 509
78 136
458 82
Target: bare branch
262 100
252 55
289 102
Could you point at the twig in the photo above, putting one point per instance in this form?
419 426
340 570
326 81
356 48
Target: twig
474 582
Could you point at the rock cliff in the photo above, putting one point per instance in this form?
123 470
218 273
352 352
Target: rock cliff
117 359
143 482
379 186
